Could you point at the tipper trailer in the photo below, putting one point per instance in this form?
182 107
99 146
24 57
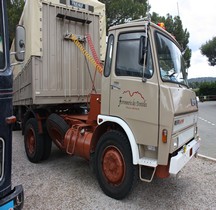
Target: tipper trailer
140 120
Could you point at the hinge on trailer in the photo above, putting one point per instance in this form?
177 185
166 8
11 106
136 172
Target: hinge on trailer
71 18
80 38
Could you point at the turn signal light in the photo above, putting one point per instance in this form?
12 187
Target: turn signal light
10 120
164 135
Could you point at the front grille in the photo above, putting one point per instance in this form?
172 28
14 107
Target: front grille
1 158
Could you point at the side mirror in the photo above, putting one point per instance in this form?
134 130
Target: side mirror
142 49
20 43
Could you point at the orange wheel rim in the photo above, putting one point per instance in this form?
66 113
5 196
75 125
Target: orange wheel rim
31 141
113 165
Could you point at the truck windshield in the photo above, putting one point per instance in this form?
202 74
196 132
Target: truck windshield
2 55
171 62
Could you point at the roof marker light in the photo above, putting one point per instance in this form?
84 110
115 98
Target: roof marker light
162 25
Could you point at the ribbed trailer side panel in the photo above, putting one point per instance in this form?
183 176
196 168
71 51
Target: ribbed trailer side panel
62 74
23 85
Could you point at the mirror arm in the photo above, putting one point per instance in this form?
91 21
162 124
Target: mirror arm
17 63
14 53
145 51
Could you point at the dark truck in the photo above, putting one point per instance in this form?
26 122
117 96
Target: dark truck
9 198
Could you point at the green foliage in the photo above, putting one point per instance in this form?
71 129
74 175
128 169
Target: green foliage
121 11
187 56
194 85
209 50
175 27
14 10
196 91
207 88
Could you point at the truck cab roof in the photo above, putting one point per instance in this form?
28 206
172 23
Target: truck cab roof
142 22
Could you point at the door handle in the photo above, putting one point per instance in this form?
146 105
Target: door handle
116 86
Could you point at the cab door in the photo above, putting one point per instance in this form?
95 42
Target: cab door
131 99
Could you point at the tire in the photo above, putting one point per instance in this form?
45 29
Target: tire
114 168
34 144
47 146
57 128
92 162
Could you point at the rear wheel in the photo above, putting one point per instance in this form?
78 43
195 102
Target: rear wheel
115 171
57 128
34 145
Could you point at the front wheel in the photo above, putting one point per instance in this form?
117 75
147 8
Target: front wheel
115 171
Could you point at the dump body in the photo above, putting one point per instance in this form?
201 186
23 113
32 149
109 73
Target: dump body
55 71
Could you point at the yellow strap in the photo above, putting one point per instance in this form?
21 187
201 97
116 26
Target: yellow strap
98 67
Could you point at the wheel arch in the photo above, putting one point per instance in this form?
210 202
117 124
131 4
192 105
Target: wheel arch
39 114
109 122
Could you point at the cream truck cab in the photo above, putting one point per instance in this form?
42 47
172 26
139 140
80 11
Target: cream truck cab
145 91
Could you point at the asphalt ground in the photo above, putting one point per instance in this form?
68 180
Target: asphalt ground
64 182
207 128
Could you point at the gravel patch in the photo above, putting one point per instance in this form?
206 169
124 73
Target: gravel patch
64 182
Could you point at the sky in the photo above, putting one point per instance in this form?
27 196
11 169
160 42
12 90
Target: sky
199 17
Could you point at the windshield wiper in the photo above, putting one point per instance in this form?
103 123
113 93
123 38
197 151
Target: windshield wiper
171 75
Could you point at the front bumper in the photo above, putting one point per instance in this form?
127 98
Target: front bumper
184 155
14 200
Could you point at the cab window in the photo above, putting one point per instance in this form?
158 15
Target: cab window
127 60
108 61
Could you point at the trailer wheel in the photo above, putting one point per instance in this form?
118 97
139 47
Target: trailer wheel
115 171
57 128
34 145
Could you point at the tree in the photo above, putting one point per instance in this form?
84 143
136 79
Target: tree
209 50
121 11
175 27
207 88
14 10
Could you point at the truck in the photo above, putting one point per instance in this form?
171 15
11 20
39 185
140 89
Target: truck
9 198
134 118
